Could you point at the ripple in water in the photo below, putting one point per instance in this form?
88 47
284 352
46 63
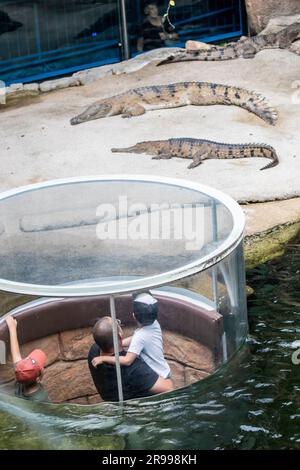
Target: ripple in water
253 403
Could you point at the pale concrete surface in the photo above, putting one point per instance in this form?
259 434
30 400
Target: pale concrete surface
37 142
267 215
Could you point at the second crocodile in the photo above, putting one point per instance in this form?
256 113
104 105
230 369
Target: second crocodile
245 47
200 149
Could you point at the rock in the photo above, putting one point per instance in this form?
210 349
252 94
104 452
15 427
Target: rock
15 87
91 75
192 375
178 375
128 66
60 83
6 373
18 91
94 399
34 87
50 346
279 22
260 11
79 401
68 380
249 291
75 344
8 388
268 245
196 45
188 352
295 47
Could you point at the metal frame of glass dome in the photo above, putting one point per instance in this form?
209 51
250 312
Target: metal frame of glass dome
111 288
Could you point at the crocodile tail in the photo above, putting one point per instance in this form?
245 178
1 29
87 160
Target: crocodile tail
270 152
213 54
257 104
180 57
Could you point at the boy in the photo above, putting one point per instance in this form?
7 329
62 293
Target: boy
146 341
29 371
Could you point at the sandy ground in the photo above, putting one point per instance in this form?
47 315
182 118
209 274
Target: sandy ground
37 142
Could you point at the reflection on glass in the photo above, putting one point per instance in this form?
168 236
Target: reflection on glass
192 19
7 24
43 38
56 37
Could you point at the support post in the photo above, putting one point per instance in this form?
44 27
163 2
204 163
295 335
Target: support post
125 40
214 269
116 347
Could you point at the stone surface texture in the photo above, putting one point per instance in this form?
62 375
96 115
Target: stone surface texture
260 11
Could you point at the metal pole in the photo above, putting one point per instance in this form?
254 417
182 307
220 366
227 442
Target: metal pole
125 40
116 346
214 269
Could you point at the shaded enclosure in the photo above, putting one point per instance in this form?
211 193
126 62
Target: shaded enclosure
47 38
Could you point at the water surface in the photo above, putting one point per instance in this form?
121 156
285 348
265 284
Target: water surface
253 403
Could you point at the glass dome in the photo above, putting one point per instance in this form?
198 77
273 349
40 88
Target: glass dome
112 234
87 244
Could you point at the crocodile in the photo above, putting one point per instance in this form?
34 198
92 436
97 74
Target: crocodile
200 149
136 102
245 47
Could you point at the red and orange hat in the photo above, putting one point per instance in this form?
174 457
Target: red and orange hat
29 369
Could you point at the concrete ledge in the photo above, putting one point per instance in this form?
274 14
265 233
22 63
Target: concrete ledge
269 245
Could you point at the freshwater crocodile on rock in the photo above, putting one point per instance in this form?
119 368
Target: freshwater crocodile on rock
200 149
245 47
136 102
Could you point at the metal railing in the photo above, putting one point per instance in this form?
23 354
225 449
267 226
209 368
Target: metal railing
40 39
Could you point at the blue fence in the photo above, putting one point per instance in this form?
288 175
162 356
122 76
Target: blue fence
47 38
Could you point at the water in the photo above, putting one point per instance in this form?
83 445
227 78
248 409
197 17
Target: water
253 403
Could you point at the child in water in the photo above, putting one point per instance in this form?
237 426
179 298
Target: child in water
146 341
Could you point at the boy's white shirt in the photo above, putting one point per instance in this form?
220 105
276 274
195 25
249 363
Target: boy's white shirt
147 343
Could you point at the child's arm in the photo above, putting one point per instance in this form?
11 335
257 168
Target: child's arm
14 343
126 342
124 360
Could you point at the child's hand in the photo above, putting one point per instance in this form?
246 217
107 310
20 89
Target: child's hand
97 361
11 322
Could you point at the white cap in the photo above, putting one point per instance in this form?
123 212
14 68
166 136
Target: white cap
146 299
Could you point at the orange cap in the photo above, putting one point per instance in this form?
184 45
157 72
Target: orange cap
29 369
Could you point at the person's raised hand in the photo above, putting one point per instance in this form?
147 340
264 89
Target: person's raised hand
11 322
97 361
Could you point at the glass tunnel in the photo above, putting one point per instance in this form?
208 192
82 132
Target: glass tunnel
75 250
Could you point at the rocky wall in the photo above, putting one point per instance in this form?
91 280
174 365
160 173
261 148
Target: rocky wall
261 11
67 377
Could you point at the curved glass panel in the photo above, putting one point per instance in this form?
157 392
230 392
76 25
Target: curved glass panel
112 234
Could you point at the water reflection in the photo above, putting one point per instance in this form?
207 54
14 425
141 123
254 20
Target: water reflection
7 24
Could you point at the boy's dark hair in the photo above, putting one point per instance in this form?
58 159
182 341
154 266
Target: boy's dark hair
144 312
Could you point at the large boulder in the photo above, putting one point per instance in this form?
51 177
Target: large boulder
261 11
277 23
